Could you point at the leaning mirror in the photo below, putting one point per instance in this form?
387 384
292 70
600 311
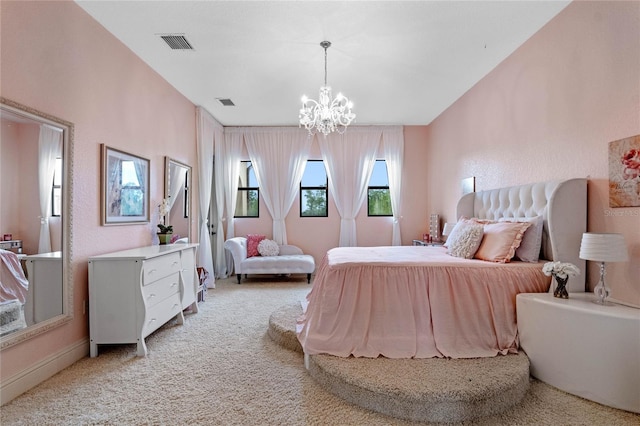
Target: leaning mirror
36 287
177 192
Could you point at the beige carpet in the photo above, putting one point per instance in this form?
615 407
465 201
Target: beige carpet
221 368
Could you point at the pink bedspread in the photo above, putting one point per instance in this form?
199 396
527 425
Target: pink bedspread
414 302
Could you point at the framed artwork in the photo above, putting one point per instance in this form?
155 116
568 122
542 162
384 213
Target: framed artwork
468 185
124 188
624 172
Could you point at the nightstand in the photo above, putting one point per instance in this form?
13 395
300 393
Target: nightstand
425 243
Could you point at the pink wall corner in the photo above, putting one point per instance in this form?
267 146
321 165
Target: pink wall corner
548 112
57 59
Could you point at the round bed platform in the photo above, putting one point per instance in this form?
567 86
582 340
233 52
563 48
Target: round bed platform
425 390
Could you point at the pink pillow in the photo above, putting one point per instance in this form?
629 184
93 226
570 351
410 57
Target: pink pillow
252 244
501 240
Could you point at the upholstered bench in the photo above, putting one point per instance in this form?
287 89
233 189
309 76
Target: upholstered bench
290 260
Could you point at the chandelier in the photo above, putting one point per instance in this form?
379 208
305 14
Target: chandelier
327 115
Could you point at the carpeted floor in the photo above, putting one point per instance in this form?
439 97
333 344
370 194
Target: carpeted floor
221 368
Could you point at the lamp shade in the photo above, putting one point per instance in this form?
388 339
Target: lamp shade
603 247
448 227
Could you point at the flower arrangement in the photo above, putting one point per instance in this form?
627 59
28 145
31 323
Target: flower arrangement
561 270
163 207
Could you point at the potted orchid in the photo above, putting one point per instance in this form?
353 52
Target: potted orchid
561 271
166 231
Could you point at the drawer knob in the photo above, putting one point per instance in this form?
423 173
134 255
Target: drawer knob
152 271
174 284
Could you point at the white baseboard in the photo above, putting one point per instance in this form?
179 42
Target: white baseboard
21 382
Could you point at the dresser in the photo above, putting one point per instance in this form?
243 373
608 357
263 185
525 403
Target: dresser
134 292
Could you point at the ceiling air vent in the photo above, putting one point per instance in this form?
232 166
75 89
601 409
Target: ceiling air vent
226 102
177 41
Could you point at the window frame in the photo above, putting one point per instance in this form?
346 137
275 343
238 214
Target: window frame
53 190
248 188
379 187
316 188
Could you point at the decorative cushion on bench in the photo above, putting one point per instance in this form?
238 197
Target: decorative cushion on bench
290 260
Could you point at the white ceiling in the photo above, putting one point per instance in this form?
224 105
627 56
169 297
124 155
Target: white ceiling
399 62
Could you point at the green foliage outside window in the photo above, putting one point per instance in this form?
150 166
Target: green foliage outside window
315 202
247 203
313 190
379 202
378 194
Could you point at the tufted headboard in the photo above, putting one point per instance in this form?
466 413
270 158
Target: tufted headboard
562 205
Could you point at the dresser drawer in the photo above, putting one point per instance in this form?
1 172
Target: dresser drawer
160 267
160 313
159 290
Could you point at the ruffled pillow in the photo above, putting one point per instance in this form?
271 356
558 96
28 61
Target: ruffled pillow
252 244
268 248
501 240
465 238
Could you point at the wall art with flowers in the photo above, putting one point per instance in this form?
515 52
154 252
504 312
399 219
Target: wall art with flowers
624 172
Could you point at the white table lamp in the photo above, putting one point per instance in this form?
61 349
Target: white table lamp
448 227
603 248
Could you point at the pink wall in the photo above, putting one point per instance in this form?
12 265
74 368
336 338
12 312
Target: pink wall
318 234
57 59
548 112
20 212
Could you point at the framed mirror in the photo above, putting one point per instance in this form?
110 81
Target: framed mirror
36 155
177 192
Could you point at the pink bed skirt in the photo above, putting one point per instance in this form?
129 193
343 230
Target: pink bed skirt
414 302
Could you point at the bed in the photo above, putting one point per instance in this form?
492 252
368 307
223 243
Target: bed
13 293
420 302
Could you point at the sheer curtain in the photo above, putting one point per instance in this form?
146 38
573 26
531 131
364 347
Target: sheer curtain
205 135
49 148
393 145
233 142
279 156
220 263
176 183
349 159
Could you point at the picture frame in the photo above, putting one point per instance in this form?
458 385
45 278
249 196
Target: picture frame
624 172
124 187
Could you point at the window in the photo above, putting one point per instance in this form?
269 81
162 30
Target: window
248 192
378 195
56 190
313 190
132 194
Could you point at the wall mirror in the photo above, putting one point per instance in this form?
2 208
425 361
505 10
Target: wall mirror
36 286
177 191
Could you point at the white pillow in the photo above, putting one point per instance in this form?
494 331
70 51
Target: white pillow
529 249
464 240
268 248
